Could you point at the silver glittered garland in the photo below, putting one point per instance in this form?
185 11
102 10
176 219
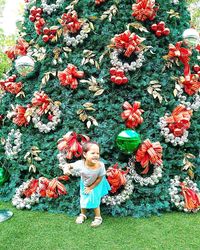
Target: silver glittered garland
195 105
170 137
50 8
19 202
78 39
46 128
146 181
175 192
133 66
13 143
124 195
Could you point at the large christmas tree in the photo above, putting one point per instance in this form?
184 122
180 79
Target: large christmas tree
115 72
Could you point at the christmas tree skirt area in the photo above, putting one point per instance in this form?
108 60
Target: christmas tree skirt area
43 230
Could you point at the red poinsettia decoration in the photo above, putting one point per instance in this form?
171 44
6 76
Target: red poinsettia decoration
41 101
132 114
128 41
69 76
192 199
179 120
149 153
191 84
144 9
70 22
116 177
20 49
71 144
10 85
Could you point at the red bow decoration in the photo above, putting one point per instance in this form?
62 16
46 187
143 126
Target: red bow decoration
41 101
144 9
70 22
69 76
71 144
116 177
148 153
192 84
179 120
128 41
192 199
19 114
183 55
19 49
32 187
132 114
10 85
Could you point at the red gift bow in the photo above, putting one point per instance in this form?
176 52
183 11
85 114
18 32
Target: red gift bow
13 87
191 84
179 120
20 116
116 177
41 101
148 153
69 76
128 41
183 55
71 144
70 22
144 9
132 114
192 199
32 187
19 49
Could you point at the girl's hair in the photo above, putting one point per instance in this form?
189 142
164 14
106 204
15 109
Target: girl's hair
87 145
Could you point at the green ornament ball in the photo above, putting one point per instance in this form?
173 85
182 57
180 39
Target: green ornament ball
128 141
3 176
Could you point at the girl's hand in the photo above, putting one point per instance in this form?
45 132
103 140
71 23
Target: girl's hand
66 169
87 190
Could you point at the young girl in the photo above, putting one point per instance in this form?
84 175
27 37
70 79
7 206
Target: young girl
93 184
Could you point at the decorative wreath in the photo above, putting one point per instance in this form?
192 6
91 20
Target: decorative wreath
124 195
116 62
184 195
195 105
49 8
146 181
13 143
54 114
18 199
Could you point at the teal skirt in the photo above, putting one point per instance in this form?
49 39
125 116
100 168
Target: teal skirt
93 199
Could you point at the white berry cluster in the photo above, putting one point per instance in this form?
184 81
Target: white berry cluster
51 125
19 202
63 165
52 7
175 192
75 40
124 195
170 137
146 181
13 143
133 66
195 105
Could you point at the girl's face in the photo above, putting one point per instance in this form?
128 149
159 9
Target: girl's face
92 155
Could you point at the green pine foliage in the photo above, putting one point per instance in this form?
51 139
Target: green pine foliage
108 106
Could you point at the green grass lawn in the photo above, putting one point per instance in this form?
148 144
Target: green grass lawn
40 231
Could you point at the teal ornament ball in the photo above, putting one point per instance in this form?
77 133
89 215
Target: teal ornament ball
128 141
24 65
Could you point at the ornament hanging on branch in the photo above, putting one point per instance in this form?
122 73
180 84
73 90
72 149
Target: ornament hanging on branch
4 175
160 29
128 141
24 65
174 127
191 37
